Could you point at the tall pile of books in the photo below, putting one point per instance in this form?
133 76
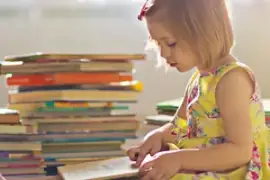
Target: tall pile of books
79 103
18 155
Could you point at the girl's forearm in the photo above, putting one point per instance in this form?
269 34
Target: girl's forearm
166 130
167 133
168 137
216 158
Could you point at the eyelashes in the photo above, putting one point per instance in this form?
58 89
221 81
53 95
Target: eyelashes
172 44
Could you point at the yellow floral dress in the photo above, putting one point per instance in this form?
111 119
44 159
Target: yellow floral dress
203 127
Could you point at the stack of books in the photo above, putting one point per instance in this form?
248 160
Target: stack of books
165 112
80 103
168 107
19 156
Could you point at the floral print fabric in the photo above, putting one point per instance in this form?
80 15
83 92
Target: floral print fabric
203 127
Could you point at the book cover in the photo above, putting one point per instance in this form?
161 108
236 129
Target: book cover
45 57
66 79
100 170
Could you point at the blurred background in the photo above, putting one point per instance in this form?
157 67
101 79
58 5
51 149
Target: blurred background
111 26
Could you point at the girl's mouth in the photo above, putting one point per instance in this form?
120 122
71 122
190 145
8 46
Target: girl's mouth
173 64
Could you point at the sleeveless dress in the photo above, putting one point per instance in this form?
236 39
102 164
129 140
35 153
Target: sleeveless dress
203 127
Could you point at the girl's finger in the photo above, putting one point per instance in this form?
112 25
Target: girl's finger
142 154
133 153
146 167
155 149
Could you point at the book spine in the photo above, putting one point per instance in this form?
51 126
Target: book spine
66 78
69 104
30 80
20 166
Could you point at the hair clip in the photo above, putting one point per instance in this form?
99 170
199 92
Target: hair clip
145 8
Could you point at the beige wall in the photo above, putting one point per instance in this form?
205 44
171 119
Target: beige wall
116 29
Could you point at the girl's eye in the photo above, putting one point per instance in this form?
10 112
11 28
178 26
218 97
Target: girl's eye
172 44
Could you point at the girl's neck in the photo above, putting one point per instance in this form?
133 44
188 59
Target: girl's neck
225 60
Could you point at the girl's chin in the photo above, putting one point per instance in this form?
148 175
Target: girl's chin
183 69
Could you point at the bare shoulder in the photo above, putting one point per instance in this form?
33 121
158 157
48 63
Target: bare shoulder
236 83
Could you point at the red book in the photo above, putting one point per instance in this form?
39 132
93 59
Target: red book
66 79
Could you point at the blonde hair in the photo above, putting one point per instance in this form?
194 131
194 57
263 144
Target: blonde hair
203 25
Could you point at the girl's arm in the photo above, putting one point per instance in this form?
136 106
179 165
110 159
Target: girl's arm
168 137
166 130
233 98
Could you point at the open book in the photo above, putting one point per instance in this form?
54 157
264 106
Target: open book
117 168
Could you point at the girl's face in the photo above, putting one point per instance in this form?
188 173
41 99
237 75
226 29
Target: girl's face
171 50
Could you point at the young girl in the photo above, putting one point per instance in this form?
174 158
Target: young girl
219 131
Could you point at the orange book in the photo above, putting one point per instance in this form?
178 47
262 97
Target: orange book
9 116
66 78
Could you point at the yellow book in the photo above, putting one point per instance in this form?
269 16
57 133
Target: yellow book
17 129
70 95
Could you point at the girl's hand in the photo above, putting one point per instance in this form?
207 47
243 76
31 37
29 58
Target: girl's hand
151 145
161 166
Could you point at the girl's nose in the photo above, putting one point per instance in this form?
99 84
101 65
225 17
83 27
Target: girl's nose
164 53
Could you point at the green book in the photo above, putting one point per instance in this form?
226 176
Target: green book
79 109
266 104
158 120
170 105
